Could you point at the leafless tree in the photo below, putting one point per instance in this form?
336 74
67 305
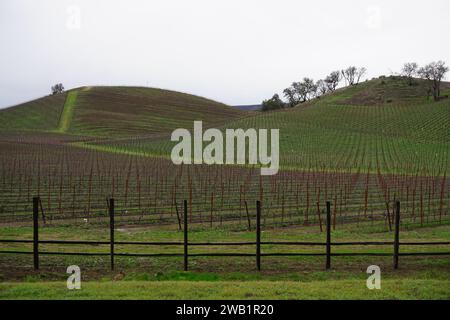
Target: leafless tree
57 88
352 75
300 90
291 96
309 88
322 87
360 73
409 70
434 72
349 75
332 80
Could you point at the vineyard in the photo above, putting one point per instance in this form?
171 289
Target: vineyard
222 156
74 183
361 158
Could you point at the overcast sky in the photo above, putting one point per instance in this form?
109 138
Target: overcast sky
236 52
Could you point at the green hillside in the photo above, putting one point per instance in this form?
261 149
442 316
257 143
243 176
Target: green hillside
115 112
42 114
382 124
345 136
131 111
406 134
385 90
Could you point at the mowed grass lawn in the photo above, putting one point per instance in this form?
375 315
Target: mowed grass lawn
337 289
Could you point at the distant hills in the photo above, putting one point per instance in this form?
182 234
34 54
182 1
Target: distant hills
248 107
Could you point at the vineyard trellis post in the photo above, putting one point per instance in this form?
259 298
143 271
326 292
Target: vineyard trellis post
258 235
185 231
36 232
111 230
397 234
328 244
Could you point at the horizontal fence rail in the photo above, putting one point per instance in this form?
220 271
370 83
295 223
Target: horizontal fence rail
328 244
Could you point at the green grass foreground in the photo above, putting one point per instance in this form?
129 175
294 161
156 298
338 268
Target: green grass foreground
337 289
222 277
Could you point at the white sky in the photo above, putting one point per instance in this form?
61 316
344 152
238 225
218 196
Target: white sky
237 52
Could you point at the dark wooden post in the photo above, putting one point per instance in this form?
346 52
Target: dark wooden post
258 235
397 234
185 218
328 264
111 230
36 232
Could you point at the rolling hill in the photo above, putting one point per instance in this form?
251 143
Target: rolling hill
379 124
95 142
115 112
38 115
385 90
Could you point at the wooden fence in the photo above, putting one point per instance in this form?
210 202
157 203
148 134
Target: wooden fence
328 244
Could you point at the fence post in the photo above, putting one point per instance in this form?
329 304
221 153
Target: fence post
36 232
258 235
185 230
328 245
111 230
397 234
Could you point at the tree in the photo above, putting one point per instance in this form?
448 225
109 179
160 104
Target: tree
353 75
409 70
322 87
295 94
300 91
57 88
309 89
332 80
360 73
434 72
273 103
291 96
349 75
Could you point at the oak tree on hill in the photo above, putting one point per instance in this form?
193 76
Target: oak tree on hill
322 87
349 75
409 70
360 73
273 103
332 80
300 92
434 72
353 75
57 88
310 88
291 96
